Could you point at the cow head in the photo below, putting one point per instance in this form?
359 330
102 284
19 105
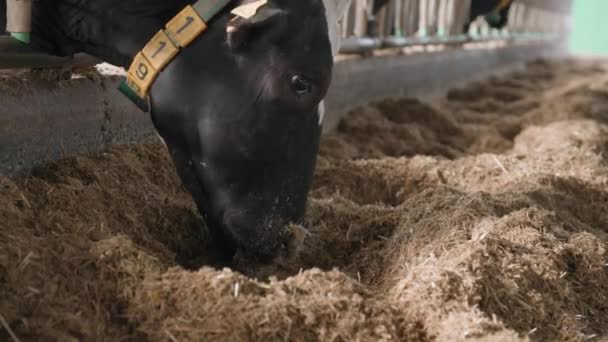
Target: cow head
240 111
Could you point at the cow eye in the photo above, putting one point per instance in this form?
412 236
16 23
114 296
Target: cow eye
301 85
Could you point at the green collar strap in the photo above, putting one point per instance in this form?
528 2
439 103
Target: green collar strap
179 32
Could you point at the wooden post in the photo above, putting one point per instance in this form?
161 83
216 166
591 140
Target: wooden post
360 18
412 13
443 18
423 18
460 13
432 17
383 21
347 22
19 19
398 30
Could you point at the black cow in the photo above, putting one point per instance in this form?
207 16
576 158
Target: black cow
239 109
377 5
495 12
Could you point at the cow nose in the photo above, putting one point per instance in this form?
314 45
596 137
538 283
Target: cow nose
284 262
257 237
265 240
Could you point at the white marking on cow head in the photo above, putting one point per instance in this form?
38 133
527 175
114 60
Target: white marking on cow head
321 112
161 139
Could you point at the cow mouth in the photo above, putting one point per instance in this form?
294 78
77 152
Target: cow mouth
252 265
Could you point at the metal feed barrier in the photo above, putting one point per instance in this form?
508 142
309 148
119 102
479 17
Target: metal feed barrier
399 24
403 23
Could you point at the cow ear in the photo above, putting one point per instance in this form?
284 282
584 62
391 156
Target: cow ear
252 25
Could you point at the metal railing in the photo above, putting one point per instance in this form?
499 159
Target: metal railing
402 23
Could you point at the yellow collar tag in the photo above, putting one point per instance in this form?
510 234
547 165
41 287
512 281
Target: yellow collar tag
179 32
162 49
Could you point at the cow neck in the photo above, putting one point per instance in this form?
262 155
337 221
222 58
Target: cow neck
165 45
502 5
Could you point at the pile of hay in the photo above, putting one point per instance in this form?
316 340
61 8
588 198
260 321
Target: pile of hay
481 216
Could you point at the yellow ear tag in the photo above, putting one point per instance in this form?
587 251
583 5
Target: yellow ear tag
248 10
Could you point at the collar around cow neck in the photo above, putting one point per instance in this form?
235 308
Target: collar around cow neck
502 5
179 32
